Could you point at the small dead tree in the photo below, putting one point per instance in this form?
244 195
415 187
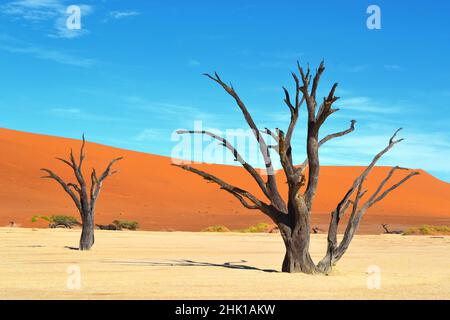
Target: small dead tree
84 201
293 217
387 231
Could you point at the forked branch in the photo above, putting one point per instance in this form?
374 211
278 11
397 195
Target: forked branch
327 138
335 251
242 195
272 189
78 192
64 185
96 183
250 169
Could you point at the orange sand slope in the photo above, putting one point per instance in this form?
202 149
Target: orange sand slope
163 197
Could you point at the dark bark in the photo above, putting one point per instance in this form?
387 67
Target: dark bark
296 239
297 258
84 201
387 231
293 219
87 231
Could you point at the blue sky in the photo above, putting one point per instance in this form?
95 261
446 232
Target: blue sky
132 74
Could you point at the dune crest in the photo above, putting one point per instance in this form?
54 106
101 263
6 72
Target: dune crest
162 197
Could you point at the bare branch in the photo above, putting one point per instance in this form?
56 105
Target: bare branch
78 174
84 202
338 134
314 124
270 133
244 202
236 154
287 100
75 187
325 109
107 171
327 138
230 90
317 79
235 191
357 213
66 162
275 196
64 185
82 153
369 168
371 202
293 122
96 183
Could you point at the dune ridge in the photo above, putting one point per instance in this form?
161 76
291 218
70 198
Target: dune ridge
163 197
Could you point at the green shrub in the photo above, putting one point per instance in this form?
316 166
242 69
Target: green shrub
67 220
125 224
216 229
428 230
36 218
57 219
261 227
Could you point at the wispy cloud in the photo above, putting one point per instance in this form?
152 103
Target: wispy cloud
424 151
193 63
280 55
13 45
354 69
366 104
78 114
44 11
148 135
61 30
123 14
183 114
392 67
270 59
66 111
32 10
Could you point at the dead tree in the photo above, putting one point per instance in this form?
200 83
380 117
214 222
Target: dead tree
387 231
84 200
293 217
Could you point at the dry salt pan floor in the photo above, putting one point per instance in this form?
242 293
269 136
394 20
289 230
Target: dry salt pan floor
42 264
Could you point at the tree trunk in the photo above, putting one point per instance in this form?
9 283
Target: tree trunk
296 236
87 232
326 264
297 257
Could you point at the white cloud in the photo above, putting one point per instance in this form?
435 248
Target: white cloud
123 14
61 30
292 56
78 114
354 69
41 11
365 104
12 45
32 10
67 111
182 114
193 63
270 59
392 67
148 135
424 151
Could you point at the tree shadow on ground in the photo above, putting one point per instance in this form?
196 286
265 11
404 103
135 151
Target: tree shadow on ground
71 248
191 263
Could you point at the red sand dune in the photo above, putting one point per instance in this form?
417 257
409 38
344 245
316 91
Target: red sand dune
162 197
